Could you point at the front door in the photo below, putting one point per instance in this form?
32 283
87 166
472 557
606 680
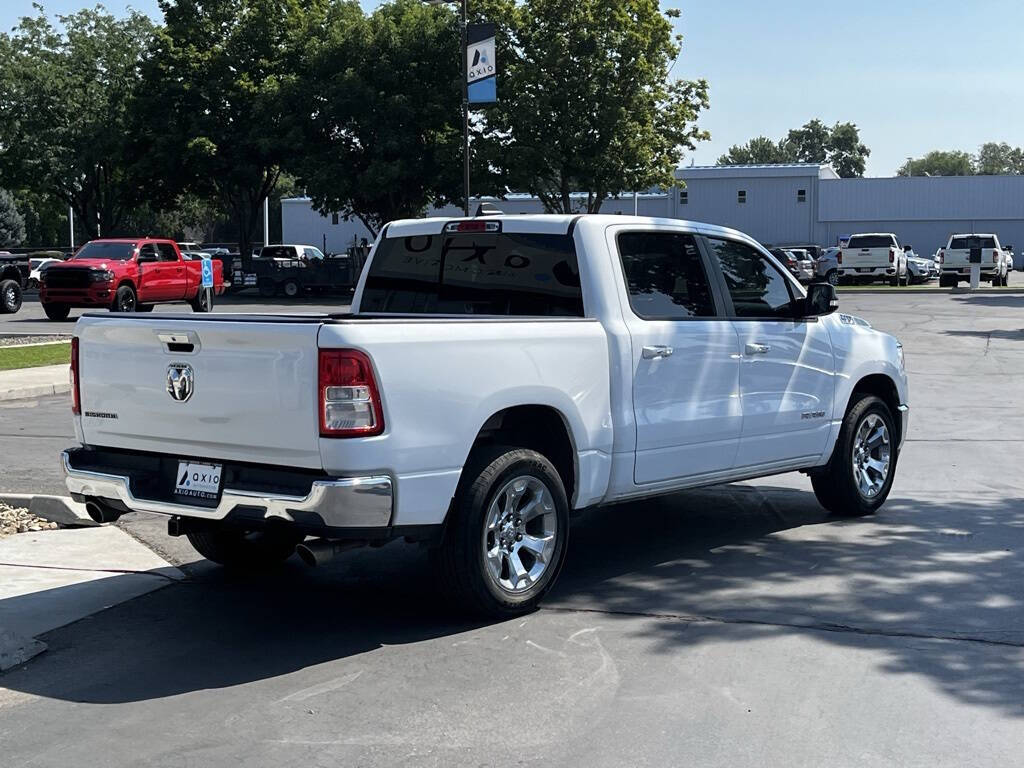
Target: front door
787 376
685 359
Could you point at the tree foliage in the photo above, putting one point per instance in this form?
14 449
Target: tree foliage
214 112
65 101
12 225
939 163
839 146
381 96
995 159
587 101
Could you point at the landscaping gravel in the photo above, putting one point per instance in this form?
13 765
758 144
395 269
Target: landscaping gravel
18 520
20 341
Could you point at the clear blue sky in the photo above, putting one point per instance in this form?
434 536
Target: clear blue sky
894 67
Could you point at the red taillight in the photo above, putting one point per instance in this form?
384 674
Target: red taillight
347 395
995 257
892 255
942 256
839 258
76 399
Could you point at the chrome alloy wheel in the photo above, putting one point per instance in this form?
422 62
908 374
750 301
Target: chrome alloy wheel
10 296
872 454
520 534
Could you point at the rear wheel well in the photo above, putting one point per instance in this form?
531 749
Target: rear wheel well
883 387
11 273
539 428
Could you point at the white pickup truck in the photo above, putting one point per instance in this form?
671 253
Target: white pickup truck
871 257
493 375
955 260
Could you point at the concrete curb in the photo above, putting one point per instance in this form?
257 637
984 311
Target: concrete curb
1015 291
36 390
43 380
63 510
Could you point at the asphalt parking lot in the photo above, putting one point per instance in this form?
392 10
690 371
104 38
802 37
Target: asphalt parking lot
737 625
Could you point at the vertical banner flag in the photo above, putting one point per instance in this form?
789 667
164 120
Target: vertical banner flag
481 64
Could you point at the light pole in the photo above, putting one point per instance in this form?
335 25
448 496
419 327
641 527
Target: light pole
464 36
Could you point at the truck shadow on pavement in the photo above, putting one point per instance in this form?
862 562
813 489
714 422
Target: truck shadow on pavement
937 587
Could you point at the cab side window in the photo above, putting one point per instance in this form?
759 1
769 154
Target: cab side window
665 276
757 287
166 252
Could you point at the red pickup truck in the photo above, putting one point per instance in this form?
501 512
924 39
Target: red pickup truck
127 275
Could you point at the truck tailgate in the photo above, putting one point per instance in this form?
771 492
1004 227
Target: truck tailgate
253 393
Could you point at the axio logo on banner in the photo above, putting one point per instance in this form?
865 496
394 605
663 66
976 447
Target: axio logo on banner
481 64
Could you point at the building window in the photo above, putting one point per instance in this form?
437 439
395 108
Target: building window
801 195
741 196
684 197
334 219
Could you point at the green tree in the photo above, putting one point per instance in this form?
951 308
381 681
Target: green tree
213 113
12 225
381 97
46 218
996 159
939 163
839 146
846 153
757 151
587 101
65 98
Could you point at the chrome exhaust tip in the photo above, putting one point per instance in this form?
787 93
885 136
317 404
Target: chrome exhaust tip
322 551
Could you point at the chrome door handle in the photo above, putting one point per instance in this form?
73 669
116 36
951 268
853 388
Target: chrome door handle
758 349
653 353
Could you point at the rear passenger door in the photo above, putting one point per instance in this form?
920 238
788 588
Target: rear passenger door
787 373
685 358
173 280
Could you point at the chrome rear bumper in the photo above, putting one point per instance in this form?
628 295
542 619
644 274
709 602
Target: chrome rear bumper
349 502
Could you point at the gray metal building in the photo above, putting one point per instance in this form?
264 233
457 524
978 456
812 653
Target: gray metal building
776 204
794 204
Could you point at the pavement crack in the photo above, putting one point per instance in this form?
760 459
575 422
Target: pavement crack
822 626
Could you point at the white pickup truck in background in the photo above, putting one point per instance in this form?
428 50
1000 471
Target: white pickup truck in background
873 256
494 374
955 260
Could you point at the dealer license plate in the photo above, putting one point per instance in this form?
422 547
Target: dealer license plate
198 481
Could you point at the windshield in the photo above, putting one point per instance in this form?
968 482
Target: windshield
501 273
106 251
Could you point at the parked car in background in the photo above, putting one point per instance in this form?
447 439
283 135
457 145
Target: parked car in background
1010 261
827 266
494 375
189 246
788 259
126 275
291 270
815 251
869 257
804 264
956 259
920 269
35 267
14 272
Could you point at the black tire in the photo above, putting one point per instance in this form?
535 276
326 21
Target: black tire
10 297
835 485
125 300
461 557
291 289
945 282
57 311
266 287
894 282
244 550
203 302
144 307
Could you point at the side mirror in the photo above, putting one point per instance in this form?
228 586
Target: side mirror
821 300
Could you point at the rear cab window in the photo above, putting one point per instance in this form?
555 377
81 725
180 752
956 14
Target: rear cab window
871 241
475 273
967 242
